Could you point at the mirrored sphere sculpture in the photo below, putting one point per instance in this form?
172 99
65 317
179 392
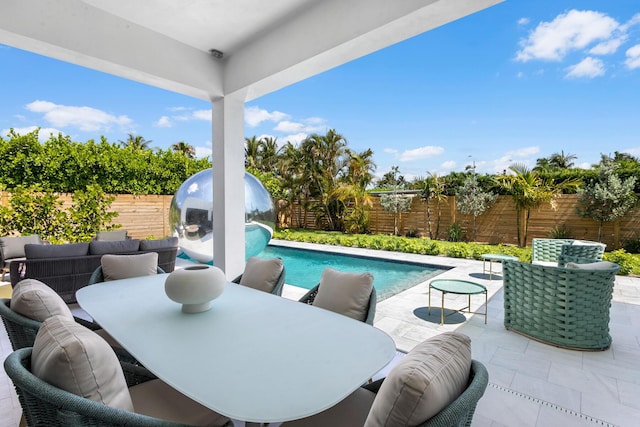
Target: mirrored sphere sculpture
191 216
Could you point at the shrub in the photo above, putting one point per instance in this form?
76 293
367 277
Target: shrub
632 246
560 232
627 262
455 232
459 250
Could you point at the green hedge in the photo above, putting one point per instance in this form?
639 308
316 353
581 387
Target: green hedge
629 263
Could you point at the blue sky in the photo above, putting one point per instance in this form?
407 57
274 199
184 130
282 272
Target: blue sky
516 82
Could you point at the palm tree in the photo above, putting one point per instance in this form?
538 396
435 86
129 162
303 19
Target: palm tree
324 160
269 151
561 160
185 149
529 191
251 152
352 191
136 142
433 187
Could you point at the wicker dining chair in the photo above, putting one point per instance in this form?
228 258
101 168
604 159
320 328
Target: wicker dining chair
265 274
112 397
332 278
419 388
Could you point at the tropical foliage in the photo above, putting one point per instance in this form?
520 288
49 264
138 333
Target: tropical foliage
608 197
321 174
529 191
66 166
36 210
397 204
473 200
432 189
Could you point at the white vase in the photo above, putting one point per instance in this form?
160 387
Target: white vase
195 287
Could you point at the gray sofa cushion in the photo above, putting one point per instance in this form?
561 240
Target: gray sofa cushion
13 247
150 245
110 236
56 251
113 247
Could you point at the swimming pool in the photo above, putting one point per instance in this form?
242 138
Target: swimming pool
304 268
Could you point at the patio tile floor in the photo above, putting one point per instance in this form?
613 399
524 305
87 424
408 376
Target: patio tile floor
530 383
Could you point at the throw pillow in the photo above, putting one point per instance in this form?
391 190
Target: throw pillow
600 265
115 267
150 245
110 236
262 273
71 357
113 247
13 247
424 382
56 251
37 301
345 293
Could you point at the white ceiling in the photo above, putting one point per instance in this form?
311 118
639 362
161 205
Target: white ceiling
267 44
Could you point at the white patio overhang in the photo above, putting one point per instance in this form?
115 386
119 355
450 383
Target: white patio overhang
226 52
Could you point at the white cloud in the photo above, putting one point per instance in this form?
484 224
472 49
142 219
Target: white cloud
588 67
523 21
86 119
312 125
448 165
584 165
390 150
634 151
523 152
633 57
570 31
296 139
608 47
287 126
253 116
202 115
206 151
635 20
420 153
522 155
163 122
43 135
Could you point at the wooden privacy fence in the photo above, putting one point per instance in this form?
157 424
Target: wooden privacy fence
497 225
144 216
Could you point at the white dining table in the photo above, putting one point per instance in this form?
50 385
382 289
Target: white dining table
253 356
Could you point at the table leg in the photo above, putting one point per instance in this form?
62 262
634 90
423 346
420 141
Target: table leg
490 268
486 306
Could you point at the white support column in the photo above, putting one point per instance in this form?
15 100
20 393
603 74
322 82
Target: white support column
228 184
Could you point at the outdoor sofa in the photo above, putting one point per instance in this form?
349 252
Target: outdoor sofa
68 267
550 252
12 249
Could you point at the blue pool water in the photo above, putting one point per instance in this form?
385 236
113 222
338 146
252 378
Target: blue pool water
304 268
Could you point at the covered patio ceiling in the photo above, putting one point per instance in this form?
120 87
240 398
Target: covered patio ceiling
224 51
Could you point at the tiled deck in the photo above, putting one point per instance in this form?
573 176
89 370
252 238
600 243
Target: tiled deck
530 384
